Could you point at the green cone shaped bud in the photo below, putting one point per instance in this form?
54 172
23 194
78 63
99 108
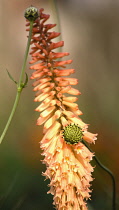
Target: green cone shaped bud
72 134
31 13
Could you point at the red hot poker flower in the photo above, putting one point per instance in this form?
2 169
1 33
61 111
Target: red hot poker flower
66 157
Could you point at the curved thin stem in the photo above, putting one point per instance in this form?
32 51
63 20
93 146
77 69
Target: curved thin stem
111 175
26 55
20 85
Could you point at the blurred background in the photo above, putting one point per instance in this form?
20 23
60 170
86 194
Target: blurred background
90 30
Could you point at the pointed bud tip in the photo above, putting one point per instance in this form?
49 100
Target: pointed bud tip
31 13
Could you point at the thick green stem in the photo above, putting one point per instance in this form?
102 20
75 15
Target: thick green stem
20 85
11 116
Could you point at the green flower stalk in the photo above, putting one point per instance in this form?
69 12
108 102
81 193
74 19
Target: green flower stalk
31 14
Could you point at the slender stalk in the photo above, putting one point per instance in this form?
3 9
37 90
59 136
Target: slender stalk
26 55
111 175
20 85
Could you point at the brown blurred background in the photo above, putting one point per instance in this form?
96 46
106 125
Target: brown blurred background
90 30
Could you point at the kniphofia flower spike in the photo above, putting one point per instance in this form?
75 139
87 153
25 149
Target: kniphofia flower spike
66 157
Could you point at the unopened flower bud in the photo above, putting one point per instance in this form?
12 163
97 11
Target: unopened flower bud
31 13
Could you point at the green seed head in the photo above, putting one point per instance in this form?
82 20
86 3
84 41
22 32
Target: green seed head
31 13
72 134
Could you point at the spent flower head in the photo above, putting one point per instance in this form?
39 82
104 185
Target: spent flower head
66 157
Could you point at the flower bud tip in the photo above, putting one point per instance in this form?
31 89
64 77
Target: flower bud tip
31 13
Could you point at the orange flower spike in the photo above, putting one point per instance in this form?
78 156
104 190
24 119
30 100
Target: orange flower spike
66 157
